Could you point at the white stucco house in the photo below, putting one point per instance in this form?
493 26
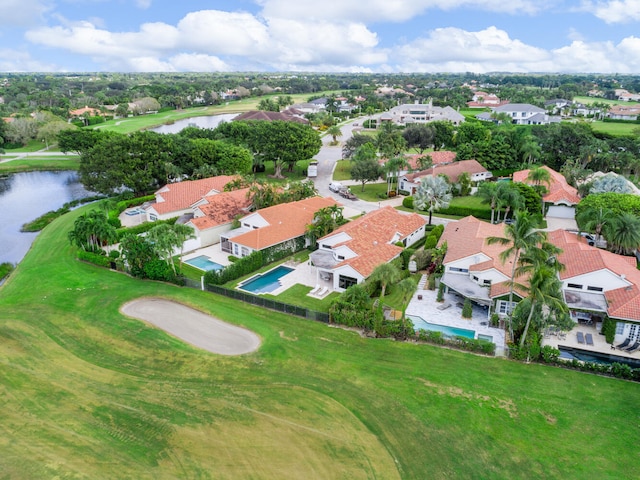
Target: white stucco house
421 113
521 114
351 253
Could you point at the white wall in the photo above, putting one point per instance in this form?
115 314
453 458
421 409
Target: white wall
604 278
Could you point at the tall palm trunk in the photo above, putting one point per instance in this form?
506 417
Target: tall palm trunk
526 326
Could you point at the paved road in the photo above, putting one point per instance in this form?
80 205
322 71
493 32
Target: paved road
327 159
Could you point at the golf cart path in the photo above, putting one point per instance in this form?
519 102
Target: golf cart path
192 326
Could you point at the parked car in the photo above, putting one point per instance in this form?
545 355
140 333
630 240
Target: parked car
335 186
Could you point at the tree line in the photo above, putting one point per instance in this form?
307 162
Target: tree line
143 161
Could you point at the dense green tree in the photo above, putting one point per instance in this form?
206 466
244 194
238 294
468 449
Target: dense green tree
137 252
390 141
367 170
444 132
419 136
79 140
352 144
283 143
135 162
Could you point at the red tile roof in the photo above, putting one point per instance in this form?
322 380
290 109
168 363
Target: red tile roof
371 235
579 258
178 196
451 170
286 221
439 157
559 189
467 237
222 208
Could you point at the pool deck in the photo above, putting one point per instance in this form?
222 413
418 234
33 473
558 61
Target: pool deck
427 309
600 345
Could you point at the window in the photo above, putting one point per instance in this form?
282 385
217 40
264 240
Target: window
475 278
340 257
620 328
574 285
245 251
594 289
505 308
328 247
456 269
487 282
246 225
153 217
346 282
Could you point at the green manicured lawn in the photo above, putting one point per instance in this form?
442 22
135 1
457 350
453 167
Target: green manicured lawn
470 201
89 393
617 129
297 295
342 170
371 191
40 163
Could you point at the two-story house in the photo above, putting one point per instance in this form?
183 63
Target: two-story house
348 255
521 114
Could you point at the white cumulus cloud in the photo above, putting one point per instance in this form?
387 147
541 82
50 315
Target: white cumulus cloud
388 10
614 11
20 13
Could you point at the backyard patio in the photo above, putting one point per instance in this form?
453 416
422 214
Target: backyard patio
423 304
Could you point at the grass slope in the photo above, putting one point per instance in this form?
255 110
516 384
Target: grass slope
89 393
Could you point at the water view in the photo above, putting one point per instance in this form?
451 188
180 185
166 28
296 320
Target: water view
26 196
209 121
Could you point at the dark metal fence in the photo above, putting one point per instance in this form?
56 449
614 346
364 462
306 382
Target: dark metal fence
262 302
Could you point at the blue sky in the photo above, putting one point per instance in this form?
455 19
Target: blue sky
558 36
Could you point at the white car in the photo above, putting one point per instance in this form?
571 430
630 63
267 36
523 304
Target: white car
335 186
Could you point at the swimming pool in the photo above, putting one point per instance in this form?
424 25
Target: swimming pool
204 263
420 324
265 282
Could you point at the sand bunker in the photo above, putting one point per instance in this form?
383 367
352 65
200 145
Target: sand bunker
192 326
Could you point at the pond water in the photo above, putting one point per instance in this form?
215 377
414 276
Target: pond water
26 196
209 121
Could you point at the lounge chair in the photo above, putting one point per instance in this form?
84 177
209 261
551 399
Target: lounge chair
315 290
625 343
580 337
633 347
589 338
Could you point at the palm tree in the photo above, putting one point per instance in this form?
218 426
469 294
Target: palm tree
335 132
385 273
594 220
488 192
623 233
183 233
544 290
434 193
539 176
520 236
511 198
529 149
163 239
392 169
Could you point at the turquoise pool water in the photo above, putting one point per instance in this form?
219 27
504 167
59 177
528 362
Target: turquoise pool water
203 263
420 324
265 282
